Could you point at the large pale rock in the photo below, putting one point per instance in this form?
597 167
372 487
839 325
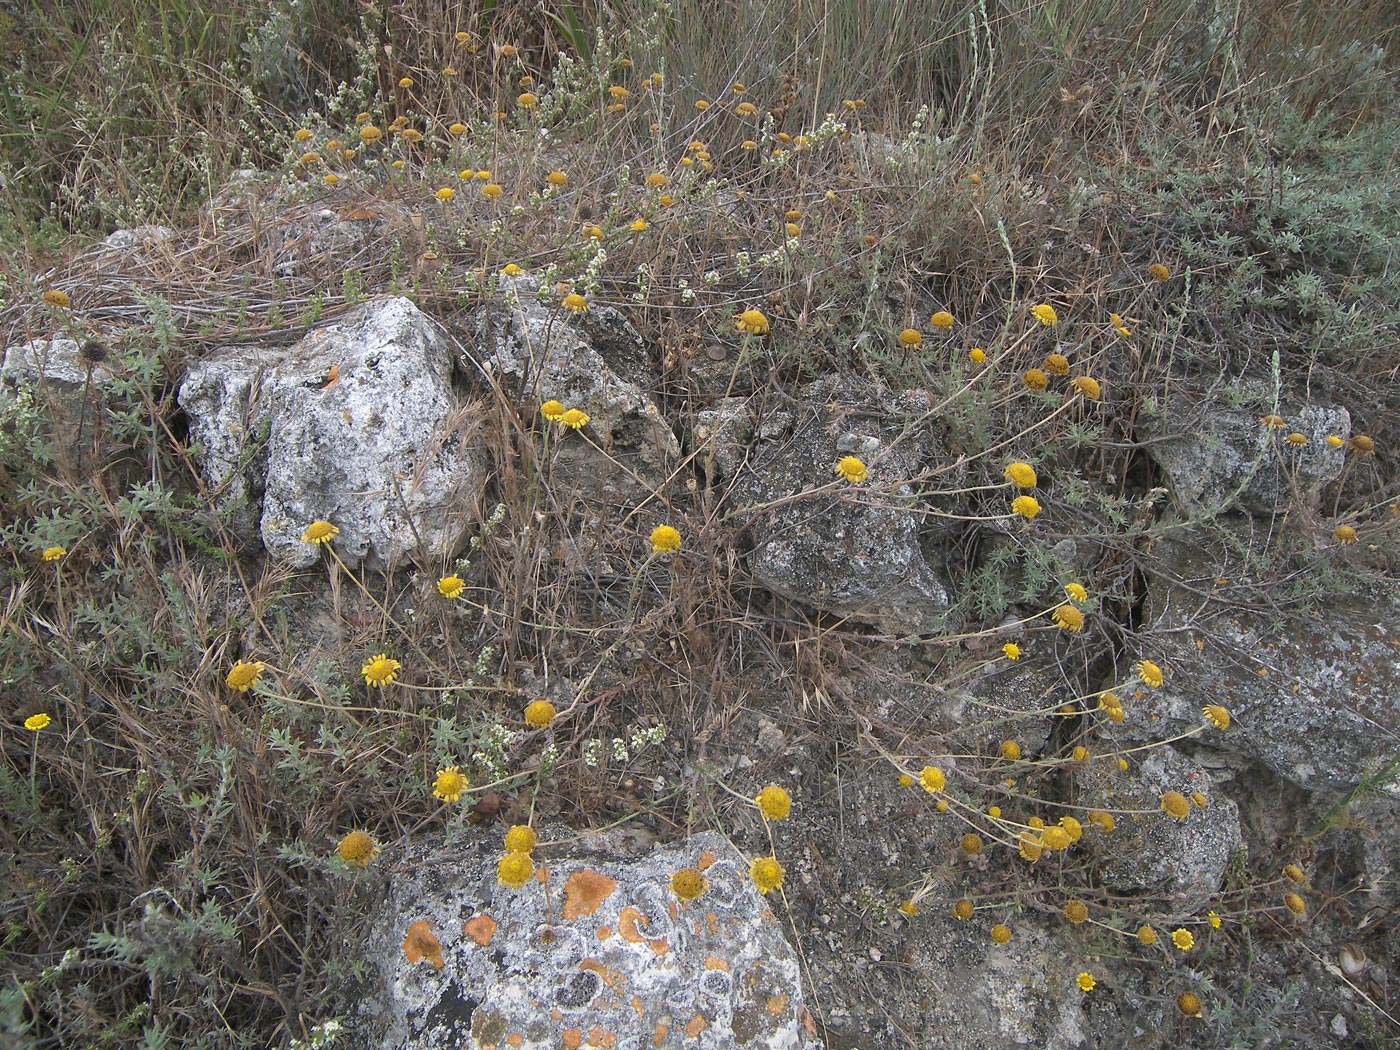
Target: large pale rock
382 448
66 383
628 967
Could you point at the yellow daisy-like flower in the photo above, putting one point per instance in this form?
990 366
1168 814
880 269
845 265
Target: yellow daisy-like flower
1333 441
380 671
1175 805
656 180
1296 440
909 908
575 303
702 105
792 229
852 470
319 532
1035 379
977 355
1077 593
53 553
753 322
1068 618
619 93
1273 422
457 129
1086 982
1076 912
451 587
1147 936
1045 314
748 144
963 909
1072 827
1056 364
34 723
910 337
1103 820
527 100
1150 674
767 873
243 675
521 838
1199 800
53 297
491 191
514 869
1087 387
574 419
1213 919
369 134
539 713
688 884
1029 846
1158 272
1362 445
449 784
552 411
941 319
357 848
639 225
746 109
405 82
1293 873
1181 938
1345 535
1011 651
665 540
1022 475
1001 933
1010 750
512 270
970 844
301 134
773 802
1026 506
1216 716
557 179
932 779
1055 838
905 780
445 194
1080 754
1295 903
1189 1004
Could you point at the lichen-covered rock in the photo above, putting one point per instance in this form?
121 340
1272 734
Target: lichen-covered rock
357 424
1219 457
60 375
851 550
595 950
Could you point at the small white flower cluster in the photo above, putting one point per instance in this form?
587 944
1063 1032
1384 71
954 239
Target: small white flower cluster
620 749
492 754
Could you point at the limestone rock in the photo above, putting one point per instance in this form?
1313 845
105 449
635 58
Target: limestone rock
55 374
357 424
596 943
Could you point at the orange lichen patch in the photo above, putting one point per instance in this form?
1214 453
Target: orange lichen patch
809 1024
480 928
777 1004
597 1034
713 962
585 890
713 920
695 1026
541 875
707 857
572 1038
659 947
604 932
419 944
594 965
675 912
515 1039
556 1014
627 920
658 1034
638 1007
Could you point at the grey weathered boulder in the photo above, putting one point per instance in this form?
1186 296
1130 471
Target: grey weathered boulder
61 375
594 951
357 424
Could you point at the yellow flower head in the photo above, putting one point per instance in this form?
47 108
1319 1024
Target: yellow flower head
1080 754
1056 364
1022 475
792 229
445 194
1068 618
1213 919
1011 651
1158 272
1344 535
688 884
574 419
243 675
1146 935
379 671
909 908
767 873
451 587
1077 593
1189 1004
539 713
449 784
932 779
1295 903
941 319
319 532
1029 846
1045 314
369 134
1010 750
746 109
552 411
527 100
1296 439
53 553
702 105
665 540
520 838
1001 933
491 191
509 51
1087 387
1216 715
618 93
1086 982
1293 873
1273 422
970 844
1055 838
1150 674
1076 912
753 322
1362 445
1035 379
657 179
514 869
557 179
1175 805
53 297
773 802
1072 827
1026 506
34 723
357 848
575 303
1181 938
512 270
964 909
1103 820
457 129
638 225
910 337
977 355
851 469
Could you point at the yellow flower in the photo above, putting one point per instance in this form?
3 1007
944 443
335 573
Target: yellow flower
738 87
457 129
557 179
702 105
520 838
753 322
932 779
1293 873
970 844
1001 933
1295 903
1272 421
1175 805
301 134
767 873
910 337
552 411
1344 535
1076 912
405 82
1189 1004
514 869
482 176
1216 715
1181 938
1085 981
1022 475
527 100
1068 618
1055 838
451 587
1158 272
1073 828
412 135
1103 820
445 194
1296 439
243 675
618 92
905 780
1150 674
34 723
1198 800
638 225
380 671
1011 651
1333 441
575 303
657 179
1362 445
539 713
1087 387
773 802
1056 364
746 109
357 848
491 191
1026 506
53 553
1010 750
941 319
665 540
574 419
1035 379
512 270
1077 593
687 884
1029 846
963 909
509 51
319 532
909 908
1146 935
1045 314
369 134
449 784
852 469
306 160
331 179
53 297
1080 754
977 355
748 144
1213 919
